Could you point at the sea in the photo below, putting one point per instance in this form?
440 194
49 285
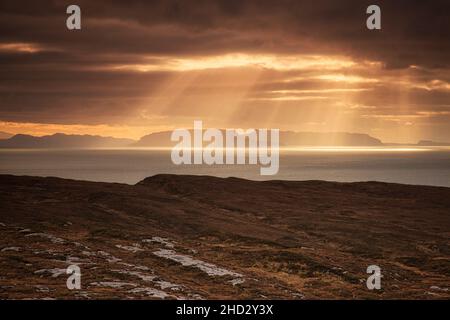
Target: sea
420 166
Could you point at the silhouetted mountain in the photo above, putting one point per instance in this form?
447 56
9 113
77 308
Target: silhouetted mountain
291 138
155 140
287 139
162 139
60 140
5 135
432 143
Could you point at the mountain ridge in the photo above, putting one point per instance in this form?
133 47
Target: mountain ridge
61 140
162 140
287 139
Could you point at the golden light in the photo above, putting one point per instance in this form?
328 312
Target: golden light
274 62
20 47
346 78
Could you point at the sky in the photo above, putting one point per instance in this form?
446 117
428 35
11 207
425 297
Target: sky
138 67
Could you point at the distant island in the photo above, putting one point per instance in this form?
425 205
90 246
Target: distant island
60 140
162 140
432 143
287 139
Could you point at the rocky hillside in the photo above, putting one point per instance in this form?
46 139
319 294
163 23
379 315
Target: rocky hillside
198 237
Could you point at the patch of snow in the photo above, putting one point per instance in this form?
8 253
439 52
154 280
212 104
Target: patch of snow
154 293
81 245
56 272
134 248
237 281
10 249
140 275
187 261
40 288
195 296
83 294
47 251
168 285
160 240
438 288
151 278
88 253
129 265
113 284
109 257
142 268
52 238
76 260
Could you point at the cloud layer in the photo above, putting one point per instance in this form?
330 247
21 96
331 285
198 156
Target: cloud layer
140 66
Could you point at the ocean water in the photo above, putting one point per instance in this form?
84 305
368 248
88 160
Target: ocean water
425 166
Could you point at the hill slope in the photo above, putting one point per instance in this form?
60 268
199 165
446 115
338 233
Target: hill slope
204 237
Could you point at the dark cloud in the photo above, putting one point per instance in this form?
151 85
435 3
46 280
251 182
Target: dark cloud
72 72
413 32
